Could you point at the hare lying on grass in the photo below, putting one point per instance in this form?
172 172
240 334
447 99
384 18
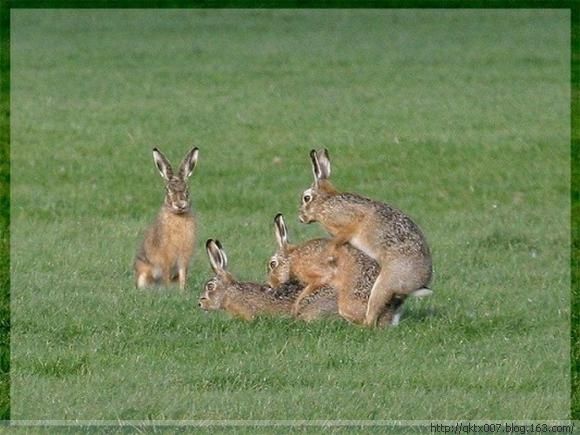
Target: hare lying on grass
248 300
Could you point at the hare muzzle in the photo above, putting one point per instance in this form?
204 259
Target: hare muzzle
178 203
181 205
304 218
203 304
207 303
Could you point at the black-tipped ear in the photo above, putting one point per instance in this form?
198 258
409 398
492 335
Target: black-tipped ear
188 164
281 231
213 252
223 256
315 166
323 160
163 165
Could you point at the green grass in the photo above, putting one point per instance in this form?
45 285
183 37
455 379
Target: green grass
460 118
4 217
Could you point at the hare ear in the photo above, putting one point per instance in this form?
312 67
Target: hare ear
281 231
215 260
223 256
315 166
162 164
188 164
324 163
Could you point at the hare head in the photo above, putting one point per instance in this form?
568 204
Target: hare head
321 189
214 289
279 263
307 262
176 191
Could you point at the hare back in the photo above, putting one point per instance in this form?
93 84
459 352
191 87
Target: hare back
323 303
377 227
355 274
257 298
291 289
311 248
362 270
349 269
310 260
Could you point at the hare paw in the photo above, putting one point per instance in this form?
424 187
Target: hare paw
296 307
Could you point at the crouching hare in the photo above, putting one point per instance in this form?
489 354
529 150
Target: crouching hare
248 300
165 253
382 232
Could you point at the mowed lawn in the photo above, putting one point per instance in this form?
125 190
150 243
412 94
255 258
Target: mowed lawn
460 118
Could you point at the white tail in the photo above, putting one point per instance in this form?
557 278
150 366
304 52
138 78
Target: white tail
421 293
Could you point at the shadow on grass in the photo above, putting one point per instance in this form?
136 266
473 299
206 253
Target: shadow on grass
421 314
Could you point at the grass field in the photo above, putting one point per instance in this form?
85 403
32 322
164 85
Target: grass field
460 118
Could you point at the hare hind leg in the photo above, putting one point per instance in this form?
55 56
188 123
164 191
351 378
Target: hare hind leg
351 308
387 285
143 274
397 316
392 313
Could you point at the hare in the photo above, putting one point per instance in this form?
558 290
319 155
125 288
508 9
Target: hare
248 300
165 253
309 263
348 270
382 232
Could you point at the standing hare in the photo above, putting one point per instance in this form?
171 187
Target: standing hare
382 232
165 253
347 269
248 300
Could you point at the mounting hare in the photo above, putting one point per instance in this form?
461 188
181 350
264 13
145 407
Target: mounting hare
317 263
167 248
248 300
382 232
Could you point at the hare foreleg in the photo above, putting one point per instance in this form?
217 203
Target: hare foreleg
306 291
342 235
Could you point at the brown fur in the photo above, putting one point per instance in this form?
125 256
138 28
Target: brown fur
167 248
165 253
319 264
249 300
382 232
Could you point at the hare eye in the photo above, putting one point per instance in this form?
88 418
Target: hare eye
273 264
210 286
306 198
